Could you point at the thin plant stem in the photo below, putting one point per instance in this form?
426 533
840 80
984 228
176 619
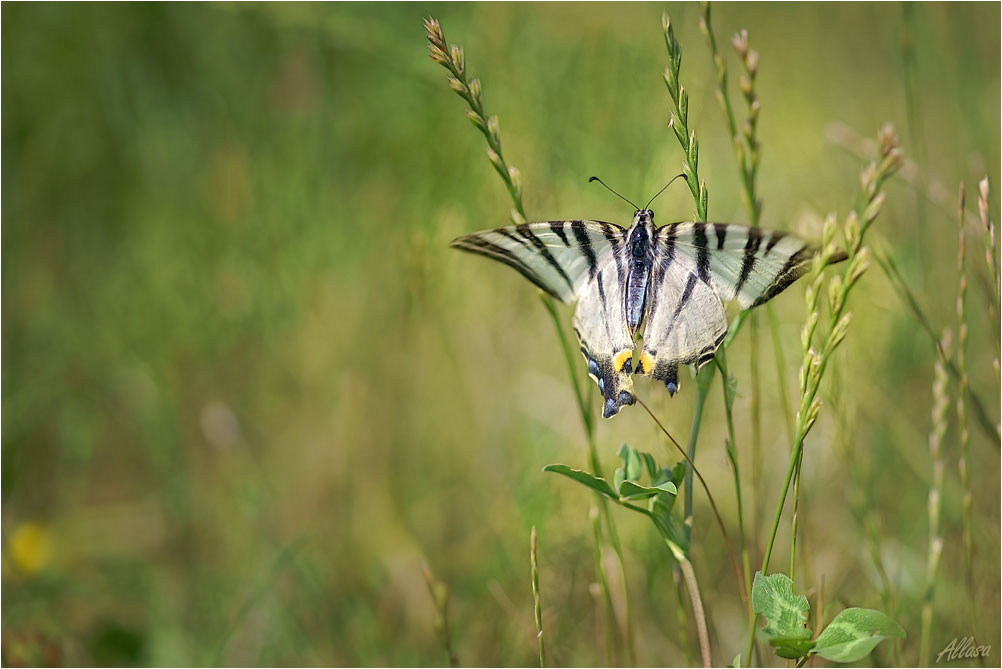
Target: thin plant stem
709 496
963 463
596 467
678 121
812 371
440 598
536 599
605 595
939 425
732 456
697 608
993 266
682 623
747 152
703 382
452 57
916 126
890 269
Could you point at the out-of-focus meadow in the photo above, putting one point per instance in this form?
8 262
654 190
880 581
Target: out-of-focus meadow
248 391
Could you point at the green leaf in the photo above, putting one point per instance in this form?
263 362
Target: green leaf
854 633
736 662
784 610
652 466
593 482
791 649
617 478
631 462
668 524
631 490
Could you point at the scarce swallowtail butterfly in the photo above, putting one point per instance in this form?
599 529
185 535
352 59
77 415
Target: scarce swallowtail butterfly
668 283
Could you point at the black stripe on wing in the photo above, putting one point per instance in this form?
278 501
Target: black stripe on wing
526 232
795 267
581 234
751 248
481 246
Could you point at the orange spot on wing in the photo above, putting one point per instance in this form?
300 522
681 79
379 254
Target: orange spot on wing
620 360
646 364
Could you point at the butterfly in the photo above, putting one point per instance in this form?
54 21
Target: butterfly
667 283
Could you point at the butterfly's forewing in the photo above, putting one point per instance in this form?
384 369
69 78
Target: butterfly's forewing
579 261
557 256
749 265
685 321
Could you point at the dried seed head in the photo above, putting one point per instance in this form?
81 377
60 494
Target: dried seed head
438 55
475 91
744 83
477 120
873 208
828 230
867 180
516 180
752 62
494 129
853 233
887 139
860 263
836 296
891 163
434 31
838 332
495 159
812 414
807 332
740 42
458 59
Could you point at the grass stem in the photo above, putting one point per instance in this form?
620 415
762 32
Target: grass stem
536 600
452 57
939 424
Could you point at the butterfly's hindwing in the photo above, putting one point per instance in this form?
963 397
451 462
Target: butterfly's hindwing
686 320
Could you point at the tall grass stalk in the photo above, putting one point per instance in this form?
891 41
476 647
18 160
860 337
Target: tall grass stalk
991 255
747 152
728 386
963 462
815 362
440 598
678 122
889 266
453 59
941 400
536 599
709 497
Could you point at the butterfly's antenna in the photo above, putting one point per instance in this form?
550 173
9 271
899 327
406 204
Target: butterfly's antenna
612 191
665 188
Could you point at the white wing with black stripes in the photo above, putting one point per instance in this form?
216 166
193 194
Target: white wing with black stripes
749 265
580 261
669 283
696 268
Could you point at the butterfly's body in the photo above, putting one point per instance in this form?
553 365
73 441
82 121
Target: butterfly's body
668 283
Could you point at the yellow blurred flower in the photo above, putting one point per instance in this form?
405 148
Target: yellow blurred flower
30 548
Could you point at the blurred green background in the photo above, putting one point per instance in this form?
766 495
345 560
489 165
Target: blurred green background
248 390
